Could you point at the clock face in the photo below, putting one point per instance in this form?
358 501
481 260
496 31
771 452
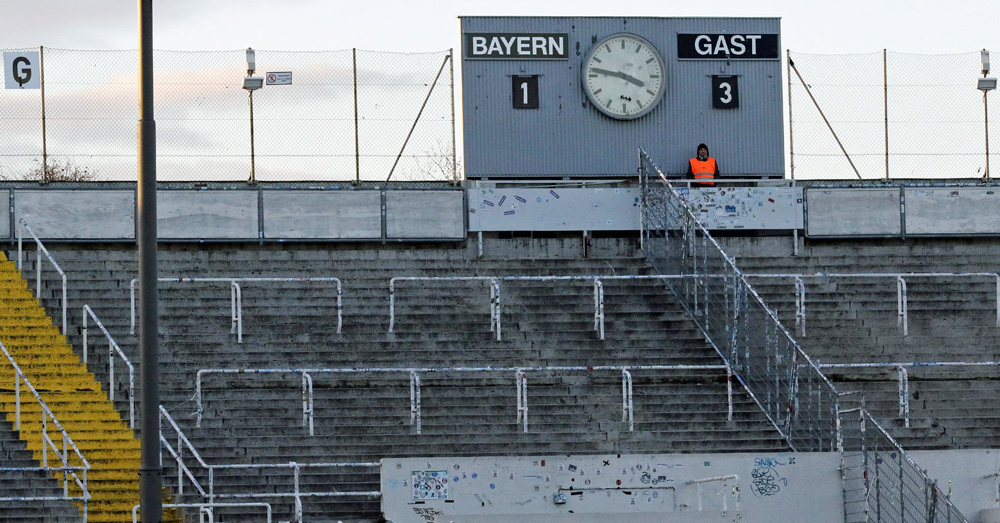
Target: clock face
623 76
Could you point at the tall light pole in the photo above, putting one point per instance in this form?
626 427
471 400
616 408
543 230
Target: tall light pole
986 84
150 472
251 83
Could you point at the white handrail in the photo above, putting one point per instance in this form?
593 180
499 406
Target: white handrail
112 349
38 272
522 397
413 374
495 308
203 506
904 395
47 442
415 414
725 506
902 305
628 408
236 297
211 495
902 318
800 304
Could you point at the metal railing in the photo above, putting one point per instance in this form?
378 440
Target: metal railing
47 443
38 265
236 297
904 377
882 483
113 349
207 510
211 495
795 395
520 374
902 300
496 309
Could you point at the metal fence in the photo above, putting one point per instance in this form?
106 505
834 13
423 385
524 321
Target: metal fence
887 115
348 116
882 483
795 395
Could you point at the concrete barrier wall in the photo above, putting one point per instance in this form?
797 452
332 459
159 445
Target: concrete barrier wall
952 210
76 214
241 214
322 214
424 214
850 212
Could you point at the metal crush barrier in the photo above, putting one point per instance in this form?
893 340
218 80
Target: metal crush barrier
788 386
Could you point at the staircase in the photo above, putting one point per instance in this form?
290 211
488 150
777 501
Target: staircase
851 320
73 396
366 416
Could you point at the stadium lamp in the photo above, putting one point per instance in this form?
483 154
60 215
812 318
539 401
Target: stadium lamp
251 83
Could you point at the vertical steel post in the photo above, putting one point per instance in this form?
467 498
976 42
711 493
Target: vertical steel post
986 120
357 149
454 148
150 471
41 74
253 174
791 148
885 108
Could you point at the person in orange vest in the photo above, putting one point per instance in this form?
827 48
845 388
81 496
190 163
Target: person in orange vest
703 168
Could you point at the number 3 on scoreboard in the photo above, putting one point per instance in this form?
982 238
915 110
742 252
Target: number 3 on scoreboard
525 92
725 92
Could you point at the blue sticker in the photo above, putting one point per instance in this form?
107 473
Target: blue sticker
492 486
508 213
487 202
502 200
456 479
474 475
553 193
730 208
522 200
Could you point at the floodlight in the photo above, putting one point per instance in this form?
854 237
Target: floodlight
252 83
986 84
251 63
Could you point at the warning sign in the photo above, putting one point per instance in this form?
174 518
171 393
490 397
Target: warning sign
282 78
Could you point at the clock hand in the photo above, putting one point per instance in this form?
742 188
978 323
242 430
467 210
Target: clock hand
617 74
629 78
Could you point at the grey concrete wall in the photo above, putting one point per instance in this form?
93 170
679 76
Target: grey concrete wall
852 212
424 214
952 210
75 214
642 488
322 214
230 215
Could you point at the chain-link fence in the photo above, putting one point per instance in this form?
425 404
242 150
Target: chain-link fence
882 484
887 115
347 116
795 395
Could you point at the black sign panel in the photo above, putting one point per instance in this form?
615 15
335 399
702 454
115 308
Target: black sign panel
711 46
525 92
725 92
516 46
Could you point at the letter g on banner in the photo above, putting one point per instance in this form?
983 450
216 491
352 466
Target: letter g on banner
21 70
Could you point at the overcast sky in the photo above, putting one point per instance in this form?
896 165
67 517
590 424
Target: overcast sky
843 26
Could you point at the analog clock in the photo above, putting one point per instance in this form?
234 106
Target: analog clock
623 76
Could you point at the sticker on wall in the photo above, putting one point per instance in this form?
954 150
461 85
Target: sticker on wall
430 484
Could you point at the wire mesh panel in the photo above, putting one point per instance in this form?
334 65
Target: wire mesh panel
347 115
887 115
801 402
882 483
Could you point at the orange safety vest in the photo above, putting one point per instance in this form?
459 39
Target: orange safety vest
703 170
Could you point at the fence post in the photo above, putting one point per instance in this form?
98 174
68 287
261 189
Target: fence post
45 154
357 148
